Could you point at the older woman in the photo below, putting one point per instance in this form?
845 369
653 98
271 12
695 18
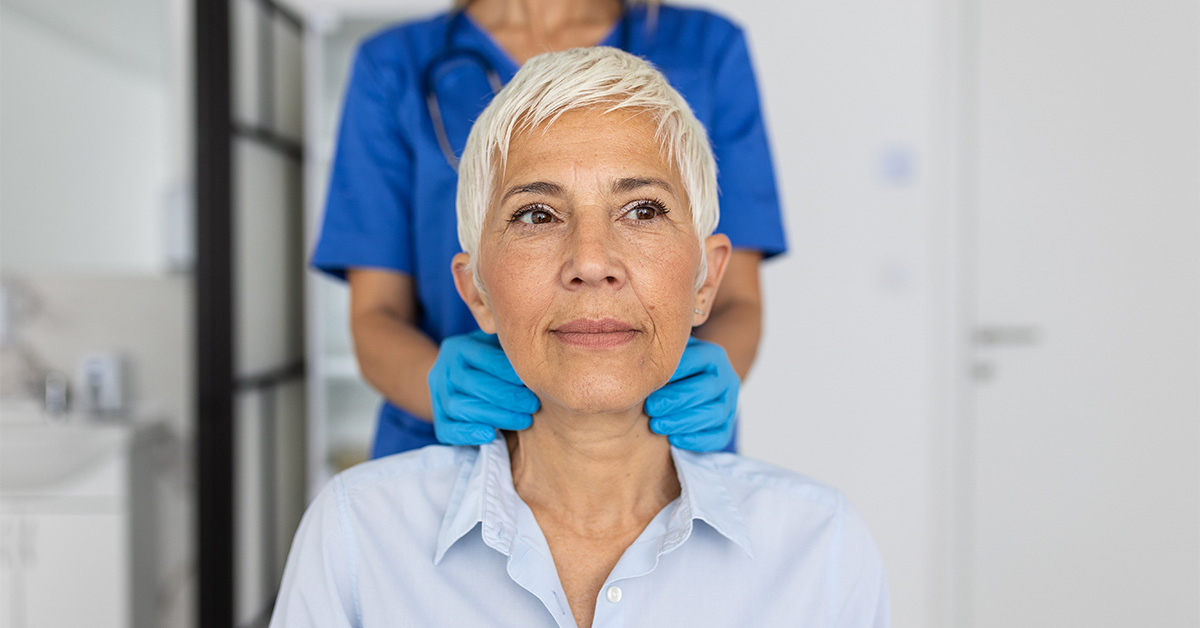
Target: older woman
586 208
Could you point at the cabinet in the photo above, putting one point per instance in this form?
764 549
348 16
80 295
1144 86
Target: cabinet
66 554
65 564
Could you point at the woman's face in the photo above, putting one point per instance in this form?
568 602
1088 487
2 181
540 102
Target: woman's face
590 261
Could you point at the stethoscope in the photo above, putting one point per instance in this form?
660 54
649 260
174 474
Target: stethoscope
450 53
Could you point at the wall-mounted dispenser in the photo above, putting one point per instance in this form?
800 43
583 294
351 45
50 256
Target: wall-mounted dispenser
100 385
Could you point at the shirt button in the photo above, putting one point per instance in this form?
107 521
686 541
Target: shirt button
613 594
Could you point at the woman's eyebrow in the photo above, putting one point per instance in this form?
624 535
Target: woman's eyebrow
542 188
630 184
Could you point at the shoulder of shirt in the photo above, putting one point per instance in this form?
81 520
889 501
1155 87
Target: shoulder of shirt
708 19
756 475
395 38
416 465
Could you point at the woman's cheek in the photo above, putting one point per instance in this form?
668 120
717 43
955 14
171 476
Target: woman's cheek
520 283
674 265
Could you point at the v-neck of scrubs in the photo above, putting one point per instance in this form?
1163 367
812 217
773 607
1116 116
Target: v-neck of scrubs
511 64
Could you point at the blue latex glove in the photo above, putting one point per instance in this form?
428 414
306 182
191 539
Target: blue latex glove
696 409
475 391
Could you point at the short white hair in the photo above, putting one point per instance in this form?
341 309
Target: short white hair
551 84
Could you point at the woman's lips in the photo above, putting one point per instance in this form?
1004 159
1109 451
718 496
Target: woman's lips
604 333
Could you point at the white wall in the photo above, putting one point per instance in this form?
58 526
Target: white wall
844 386
85 155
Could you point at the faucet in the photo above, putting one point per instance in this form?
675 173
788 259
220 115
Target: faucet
55 394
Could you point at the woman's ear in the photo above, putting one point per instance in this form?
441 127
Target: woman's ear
464 280
718 250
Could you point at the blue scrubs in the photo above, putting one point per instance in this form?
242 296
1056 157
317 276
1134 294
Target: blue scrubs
392 193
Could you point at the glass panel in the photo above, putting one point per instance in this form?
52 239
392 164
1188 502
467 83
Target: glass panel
288 62
290 496
246 66
268 259
249 530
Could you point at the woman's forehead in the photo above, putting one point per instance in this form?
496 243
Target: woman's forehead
622 145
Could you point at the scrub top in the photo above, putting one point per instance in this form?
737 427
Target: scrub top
392 191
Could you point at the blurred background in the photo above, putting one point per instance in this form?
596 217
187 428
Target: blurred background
987 331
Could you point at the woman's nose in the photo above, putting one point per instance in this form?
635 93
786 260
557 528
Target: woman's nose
593 256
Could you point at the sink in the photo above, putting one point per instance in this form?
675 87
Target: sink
38 455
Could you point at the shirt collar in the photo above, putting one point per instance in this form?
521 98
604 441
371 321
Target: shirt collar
704 496
484 494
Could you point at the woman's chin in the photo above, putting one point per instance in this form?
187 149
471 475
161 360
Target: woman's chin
595 398
590 405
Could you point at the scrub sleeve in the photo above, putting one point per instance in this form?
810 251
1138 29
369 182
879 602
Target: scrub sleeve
391 193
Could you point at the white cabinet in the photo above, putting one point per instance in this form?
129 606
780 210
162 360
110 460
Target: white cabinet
12 581
65 568
65 540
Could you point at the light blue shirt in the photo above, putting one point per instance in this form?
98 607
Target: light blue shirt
439 537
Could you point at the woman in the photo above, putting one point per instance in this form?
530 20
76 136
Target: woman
586 207
389 227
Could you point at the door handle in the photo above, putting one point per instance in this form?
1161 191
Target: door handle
1006 336
998 336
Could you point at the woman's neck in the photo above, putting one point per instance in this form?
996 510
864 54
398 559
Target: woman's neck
593 471
526 28
593 483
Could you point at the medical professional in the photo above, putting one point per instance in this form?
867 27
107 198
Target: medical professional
389 227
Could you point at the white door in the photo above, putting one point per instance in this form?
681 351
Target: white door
1082 490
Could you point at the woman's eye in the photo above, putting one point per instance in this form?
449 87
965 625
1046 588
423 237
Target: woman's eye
533 216
646 211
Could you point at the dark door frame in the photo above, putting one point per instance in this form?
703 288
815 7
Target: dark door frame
214 314
217 382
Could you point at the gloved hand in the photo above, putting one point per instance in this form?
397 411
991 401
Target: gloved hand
696 409
475 391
